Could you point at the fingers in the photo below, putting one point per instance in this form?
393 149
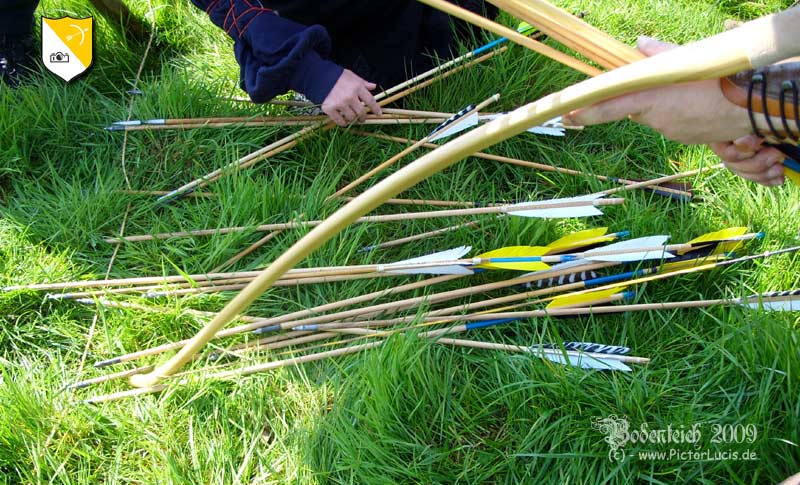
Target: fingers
368 99
352 112
650 46
762 165
607 111
346 101
748 144
334 115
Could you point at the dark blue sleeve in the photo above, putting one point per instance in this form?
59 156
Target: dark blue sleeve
275 54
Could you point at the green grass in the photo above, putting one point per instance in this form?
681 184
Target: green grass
409 411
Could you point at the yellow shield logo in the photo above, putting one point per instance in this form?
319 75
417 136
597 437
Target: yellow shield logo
67 46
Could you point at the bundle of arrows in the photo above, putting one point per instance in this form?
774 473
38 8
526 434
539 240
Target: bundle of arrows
563 271
450 262
591 272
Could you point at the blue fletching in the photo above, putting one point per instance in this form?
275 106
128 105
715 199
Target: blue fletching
267 329
489 323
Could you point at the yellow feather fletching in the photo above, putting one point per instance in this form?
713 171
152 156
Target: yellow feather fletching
516 252
691 263
792 175
584 299
525 28
720 236
580 239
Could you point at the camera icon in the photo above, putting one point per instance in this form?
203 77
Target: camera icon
59 57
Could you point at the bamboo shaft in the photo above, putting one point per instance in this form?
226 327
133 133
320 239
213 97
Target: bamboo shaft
252 325
399 156
512 35
315 316
382 121
579 40
435 203
572 31
542 166
744 48
290 141
444 75
234 259
358 328
417 237
381 218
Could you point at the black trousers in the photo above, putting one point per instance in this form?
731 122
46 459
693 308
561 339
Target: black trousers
384 41
16 16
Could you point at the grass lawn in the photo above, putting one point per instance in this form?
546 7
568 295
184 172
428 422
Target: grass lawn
410 410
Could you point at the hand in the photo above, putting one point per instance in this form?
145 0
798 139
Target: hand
747 158
695 112
346 101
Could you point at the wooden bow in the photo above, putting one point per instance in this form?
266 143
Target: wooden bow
753 45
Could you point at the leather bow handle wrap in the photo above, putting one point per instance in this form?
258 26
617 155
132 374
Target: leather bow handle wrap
755 44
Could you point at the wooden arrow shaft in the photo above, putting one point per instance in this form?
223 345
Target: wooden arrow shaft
752 45
408 216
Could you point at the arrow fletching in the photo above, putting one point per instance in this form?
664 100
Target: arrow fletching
441 256
516 252
691 263
591 347
792 169
553 127
627 250
584 361
781 301
580 239
584 300
558 213
525 28
457 123
720 237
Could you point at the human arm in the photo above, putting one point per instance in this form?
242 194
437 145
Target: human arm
276 55
696 112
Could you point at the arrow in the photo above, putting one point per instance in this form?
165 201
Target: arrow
259 121
552 127
575 358
462 120
648 185
639 249
441 263
595 298
556 271
315 315
568 207
774 301
744 48
398 92
606 361
516 37
436 263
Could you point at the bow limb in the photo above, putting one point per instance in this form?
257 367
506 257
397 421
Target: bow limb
755 44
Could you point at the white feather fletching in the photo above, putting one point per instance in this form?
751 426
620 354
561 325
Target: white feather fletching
546 130
441 256
553 127
556 213
585 361
457 126
777 306
631 245
558 267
